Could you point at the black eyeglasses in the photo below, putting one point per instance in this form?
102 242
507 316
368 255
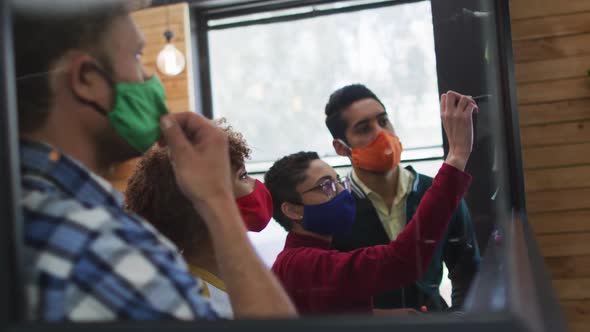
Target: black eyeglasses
331 187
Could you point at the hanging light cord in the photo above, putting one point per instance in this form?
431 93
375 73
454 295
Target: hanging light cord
168 34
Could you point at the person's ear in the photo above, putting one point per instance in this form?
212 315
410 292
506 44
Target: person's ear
292 211
86 81
341 148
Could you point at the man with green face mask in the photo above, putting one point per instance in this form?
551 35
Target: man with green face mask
84 103
137 106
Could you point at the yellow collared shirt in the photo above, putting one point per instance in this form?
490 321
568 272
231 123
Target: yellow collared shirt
214 289
393 218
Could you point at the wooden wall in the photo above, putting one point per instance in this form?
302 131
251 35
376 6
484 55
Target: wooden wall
551 40
179 89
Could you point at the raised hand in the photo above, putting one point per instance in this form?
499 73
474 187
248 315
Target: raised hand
456 112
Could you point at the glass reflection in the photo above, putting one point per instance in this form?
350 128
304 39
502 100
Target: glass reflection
389 245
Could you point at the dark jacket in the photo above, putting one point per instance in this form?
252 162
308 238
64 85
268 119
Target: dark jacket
458 250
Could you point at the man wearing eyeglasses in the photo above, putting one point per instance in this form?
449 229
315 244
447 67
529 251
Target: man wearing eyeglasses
313 204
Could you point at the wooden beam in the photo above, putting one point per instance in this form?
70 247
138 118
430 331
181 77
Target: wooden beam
156 35
577 326
179 105
552 91
557 245
557 178
577 310
522 9
569 267
546 223
551 26
551 48
159 16
572 289
555 134
577 313
546 113
556 156
176 88
554 69
559 200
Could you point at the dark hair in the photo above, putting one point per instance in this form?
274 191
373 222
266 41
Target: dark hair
238 148
40 39
281 180
339 101
152 193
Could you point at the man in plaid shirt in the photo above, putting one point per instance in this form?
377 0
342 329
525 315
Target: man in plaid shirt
86 103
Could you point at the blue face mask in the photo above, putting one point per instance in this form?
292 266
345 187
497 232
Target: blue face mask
331 218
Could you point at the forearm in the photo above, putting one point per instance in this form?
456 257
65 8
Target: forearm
253 289
456 160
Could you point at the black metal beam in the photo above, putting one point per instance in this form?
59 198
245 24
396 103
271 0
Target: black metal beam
12 300
202 66
230 7
490 322
310 14
460 45
253 7
510 105
210 4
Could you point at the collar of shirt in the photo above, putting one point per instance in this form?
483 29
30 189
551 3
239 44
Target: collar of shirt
43 163
207 277
295 240
404 186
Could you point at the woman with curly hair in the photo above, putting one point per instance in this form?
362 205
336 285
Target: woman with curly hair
152 193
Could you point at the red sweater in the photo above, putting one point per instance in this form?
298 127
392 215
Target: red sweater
321 281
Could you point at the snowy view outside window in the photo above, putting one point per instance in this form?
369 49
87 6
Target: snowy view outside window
272 82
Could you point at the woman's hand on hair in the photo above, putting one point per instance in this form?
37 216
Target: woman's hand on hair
199 156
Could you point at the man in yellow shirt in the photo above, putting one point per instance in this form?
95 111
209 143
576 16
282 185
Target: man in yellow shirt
392 217
387 197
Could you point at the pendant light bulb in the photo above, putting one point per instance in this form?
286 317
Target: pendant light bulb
170 61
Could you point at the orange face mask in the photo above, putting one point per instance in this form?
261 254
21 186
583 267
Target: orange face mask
381 155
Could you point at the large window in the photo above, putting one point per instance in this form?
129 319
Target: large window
272 81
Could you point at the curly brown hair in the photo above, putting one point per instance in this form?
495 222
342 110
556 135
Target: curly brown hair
239 151
152 193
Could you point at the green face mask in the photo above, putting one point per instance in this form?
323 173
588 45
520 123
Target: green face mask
137 111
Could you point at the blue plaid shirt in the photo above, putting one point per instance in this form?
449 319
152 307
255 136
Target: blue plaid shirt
89 260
